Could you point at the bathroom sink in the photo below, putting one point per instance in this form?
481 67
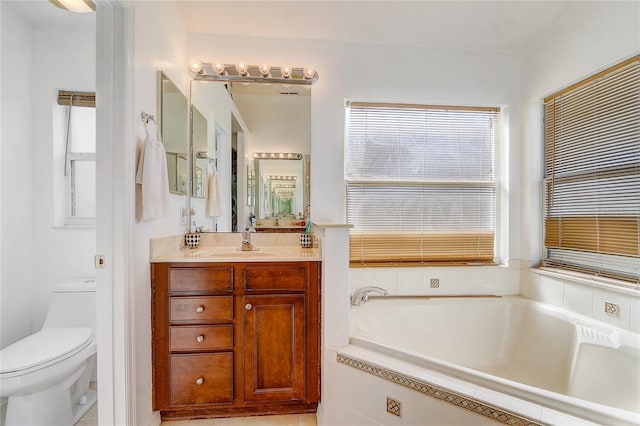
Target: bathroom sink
240 253
232 253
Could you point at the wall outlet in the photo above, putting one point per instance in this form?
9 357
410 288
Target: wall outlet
611 308
183 217
435 282
394 406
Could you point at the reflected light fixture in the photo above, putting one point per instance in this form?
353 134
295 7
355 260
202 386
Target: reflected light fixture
279 177
277 155
244 73
78 6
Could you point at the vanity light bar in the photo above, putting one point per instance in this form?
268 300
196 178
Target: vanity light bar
277 155
270 177
252 73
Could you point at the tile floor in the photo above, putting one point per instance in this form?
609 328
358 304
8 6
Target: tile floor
91 419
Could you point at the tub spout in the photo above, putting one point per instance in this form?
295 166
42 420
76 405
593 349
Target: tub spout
362 294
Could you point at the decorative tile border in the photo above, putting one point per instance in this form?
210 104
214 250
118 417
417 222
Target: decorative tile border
439 393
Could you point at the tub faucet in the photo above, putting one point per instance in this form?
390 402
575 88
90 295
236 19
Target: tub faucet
362 294
246 240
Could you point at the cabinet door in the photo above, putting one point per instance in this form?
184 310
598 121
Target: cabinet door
274 348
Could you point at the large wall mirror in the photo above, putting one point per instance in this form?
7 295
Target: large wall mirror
255 138
173 109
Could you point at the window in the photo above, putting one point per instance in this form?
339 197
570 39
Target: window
592 175
80 168
421 183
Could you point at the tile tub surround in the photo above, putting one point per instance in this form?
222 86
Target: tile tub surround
513 347
584 297
222 247
364 379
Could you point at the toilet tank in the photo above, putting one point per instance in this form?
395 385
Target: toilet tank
73 304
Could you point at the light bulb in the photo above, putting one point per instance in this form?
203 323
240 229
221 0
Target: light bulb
264 70
286 71
195 66
308 73
242 69
219 68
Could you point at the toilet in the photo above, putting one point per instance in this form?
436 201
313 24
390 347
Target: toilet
46 375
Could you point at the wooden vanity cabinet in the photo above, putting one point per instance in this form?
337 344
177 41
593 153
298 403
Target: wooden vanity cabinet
235 339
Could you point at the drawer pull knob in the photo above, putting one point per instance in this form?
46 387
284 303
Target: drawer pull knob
199 380
200 309
248 306
200 339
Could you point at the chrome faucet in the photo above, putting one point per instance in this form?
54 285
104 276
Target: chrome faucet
362 294
246 240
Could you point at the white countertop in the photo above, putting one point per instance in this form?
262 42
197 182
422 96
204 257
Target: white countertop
233 254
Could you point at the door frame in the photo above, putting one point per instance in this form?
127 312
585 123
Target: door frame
115 210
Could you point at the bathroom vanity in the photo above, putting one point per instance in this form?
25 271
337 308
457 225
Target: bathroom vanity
236 333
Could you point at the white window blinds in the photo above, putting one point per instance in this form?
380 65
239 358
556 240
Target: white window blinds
421 183
592 175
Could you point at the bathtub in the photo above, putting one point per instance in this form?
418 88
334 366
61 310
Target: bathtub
532 351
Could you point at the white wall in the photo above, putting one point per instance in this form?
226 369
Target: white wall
588 37
61 253
36 256
356 71
16 276
159 45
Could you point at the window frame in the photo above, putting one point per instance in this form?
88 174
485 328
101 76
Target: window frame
597 259
65 179
70 219
494 184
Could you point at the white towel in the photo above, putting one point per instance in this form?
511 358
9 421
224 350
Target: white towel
152 175
212 207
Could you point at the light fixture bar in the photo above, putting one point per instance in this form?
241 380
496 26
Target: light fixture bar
278 177
277 156
252 73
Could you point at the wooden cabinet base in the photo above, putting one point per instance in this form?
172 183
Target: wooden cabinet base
252 410
235 339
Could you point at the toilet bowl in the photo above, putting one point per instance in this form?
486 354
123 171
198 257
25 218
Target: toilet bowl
46 375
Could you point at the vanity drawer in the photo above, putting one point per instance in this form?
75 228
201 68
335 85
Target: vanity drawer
201 379
209 337
277 277
215 279
204 308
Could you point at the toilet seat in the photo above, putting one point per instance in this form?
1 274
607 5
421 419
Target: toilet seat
46 347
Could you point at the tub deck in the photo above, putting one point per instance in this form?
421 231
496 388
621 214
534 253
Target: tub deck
512 345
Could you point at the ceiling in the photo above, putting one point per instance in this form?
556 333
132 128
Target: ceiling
493 25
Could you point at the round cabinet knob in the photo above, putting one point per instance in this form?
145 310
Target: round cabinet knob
248 306
200 309
199 380
200 339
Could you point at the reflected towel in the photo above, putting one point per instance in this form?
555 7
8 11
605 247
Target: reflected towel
152 175
212 206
